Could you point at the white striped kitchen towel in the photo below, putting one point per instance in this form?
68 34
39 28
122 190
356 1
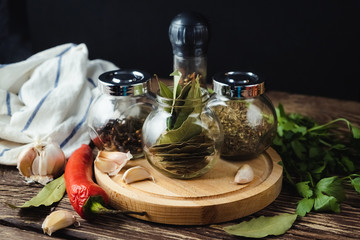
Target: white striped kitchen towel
47 96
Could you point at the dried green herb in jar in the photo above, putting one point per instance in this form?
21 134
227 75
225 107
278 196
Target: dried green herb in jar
122 135
247 131
247 116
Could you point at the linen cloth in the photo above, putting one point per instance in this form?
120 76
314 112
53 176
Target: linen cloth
48 96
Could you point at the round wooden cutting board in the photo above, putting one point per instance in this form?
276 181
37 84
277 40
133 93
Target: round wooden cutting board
212 198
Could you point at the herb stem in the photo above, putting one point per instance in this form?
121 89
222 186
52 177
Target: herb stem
320 127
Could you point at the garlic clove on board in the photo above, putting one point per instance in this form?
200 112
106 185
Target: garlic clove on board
135 174
244 175
112 162
57 220
41 162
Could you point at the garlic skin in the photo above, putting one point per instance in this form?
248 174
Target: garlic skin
41 162
57 220
135 174
244 175
112 162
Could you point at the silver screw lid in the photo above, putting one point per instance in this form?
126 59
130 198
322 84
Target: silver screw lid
237 84
124 82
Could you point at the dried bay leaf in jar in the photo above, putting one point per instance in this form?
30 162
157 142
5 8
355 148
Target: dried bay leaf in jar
117 114
246 114
182 137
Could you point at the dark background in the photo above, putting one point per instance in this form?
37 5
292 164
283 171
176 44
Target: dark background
307 47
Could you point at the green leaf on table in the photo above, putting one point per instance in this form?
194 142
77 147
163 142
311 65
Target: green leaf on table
348 164
304 189
49 194
326 203
304 206
356 184
263 226
355 132
331 186
280 112
320 169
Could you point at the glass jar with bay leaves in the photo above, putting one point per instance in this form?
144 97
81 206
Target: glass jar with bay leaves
117 114
182 136
247 116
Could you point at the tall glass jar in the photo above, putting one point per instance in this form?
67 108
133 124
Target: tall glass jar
246 114
185 150
117 114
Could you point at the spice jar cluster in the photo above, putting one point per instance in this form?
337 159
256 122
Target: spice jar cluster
182 130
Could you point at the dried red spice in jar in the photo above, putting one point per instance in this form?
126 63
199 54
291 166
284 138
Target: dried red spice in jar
116 116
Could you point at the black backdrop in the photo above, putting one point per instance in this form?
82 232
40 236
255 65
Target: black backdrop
308 47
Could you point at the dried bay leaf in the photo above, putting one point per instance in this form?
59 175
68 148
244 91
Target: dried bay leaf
165 90
49 194
263 226
187 130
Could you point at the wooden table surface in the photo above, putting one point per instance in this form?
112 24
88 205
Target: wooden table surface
26 224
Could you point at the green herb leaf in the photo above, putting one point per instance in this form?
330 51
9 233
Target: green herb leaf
349 165
298 149
326 203
49 194
356 184
304 189
314 151
304 206
331 186
263 226
355 132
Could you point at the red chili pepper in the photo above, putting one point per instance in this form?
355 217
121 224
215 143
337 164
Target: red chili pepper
86 197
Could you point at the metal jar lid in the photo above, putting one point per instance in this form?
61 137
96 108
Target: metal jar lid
236 84
124 82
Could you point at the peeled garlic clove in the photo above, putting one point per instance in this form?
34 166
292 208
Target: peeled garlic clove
244 175
25 161
135 174
118 157
109 167
112 162
57 220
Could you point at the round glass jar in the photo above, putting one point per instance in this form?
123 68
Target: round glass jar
117 114
246 114
182 150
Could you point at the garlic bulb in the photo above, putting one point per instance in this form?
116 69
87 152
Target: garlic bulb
112 162
57 220
41 162
244 175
